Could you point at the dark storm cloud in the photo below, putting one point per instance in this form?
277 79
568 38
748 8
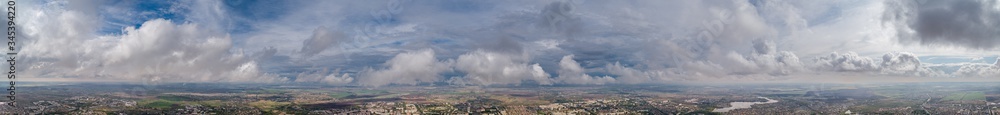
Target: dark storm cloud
965 23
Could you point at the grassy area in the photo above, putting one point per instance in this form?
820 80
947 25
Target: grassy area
213 103
369 92
975 96
266 91
339 95
392 95
158 104
347 94
167 101
267 105
965 96
175 98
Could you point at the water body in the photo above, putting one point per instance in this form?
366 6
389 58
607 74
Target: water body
741 105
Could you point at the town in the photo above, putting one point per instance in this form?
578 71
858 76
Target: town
924 98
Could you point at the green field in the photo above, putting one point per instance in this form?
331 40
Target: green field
340 94
346 94
965 96
159 104
266 91
175 98
369 92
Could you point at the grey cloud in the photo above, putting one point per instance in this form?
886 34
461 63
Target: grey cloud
558 17
266 53
764 59
321 39
503 44
769 59
628 75
965 23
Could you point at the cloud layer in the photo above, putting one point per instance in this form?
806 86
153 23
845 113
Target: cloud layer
157 51
964 23
892 63
979 70
521 42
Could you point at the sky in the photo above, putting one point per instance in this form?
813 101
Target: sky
509 42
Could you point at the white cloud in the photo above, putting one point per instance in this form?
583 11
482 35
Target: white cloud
764 59
979 70
570 72
907 64
489 68
158 51
325 76
409 68
844 62
892 63
181 52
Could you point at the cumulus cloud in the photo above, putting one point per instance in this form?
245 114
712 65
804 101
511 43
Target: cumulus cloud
892 63
180 52
158 51
965 23
570 72
409 68
325 76
905 63
899 62
765 58
979 70
844 62
489 68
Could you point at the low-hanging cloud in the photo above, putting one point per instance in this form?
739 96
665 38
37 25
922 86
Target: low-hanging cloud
409 68
570 72
490 68
844 62
325 76
765 58
979 70
892 63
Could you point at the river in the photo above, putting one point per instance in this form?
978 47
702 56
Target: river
741 105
